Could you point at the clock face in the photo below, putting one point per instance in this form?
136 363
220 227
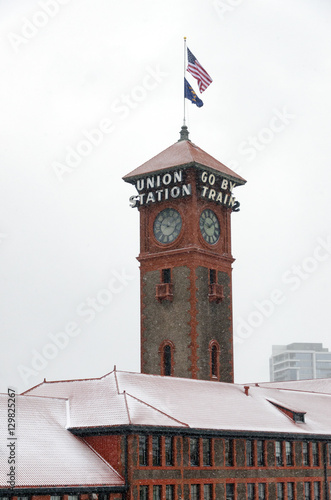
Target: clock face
209 226
167 225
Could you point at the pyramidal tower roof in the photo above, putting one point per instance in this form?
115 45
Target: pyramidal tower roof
182 154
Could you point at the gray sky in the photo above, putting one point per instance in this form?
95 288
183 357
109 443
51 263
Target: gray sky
110 75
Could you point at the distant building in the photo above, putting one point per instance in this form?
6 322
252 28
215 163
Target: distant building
299 361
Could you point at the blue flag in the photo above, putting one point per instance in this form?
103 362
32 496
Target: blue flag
191 95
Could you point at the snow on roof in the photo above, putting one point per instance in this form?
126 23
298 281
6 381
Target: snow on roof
182 153
150 400
46 453
321 385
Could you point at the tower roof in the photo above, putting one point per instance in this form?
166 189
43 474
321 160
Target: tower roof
182 154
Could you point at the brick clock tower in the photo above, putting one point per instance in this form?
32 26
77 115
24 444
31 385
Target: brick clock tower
185 201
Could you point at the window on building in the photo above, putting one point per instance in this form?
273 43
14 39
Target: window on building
290 491
317 490
169 450
262 491
170 492
307 490
230 491
143 492
54 497
194 452
143 450
70 497
289 453
214 361
279 453
280 491
156 447
166 275
212 276
157 492
249 453
305 453
207 492
167 360
315 454
206 451
229 455
100 496
250 491
260 453
195 492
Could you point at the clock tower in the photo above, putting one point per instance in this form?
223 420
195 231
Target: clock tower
185 199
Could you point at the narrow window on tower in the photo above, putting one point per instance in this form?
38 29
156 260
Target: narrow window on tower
166 275
214 352
164 289
166 351
212 276
167 360
215 291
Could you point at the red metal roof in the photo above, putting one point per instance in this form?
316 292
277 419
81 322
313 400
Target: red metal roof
182 153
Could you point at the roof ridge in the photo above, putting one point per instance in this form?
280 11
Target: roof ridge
127 407
156 409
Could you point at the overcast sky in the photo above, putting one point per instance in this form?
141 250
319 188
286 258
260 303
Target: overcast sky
92 89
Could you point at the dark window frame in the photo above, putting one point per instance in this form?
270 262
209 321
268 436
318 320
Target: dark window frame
156 451
207 452
169 451
249 448
229 452
143 452
194 452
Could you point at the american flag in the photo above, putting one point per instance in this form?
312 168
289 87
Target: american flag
196 70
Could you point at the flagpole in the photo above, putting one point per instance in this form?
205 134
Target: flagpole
184 121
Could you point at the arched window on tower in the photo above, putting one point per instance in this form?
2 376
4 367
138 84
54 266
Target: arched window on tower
214 356
167 354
